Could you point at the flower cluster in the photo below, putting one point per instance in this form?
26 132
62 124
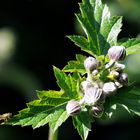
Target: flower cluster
94 88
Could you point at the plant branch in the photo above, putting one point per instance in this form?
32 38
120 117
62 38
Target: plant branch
53 136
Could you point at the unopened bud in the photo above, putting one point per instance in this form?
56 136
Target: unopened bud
92 95
97 111
86 84
123 79
110 64
119 67
113 75
119 85
95 72
73 108
90 64
117 53
109 88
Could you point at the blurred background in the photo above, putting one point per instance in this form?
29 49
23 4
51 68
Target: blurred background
32 39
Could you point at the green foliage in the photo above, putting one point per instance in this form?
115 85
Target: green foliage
40 112
109 109
132 45
101 30
129 98
76 66
51 106
100 27
67 83
82 123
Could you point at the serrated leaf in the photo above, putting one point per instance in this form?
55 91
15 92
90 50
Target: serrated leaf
58 118
87 21
81 42
67 83
132 46
100 27
109 26
82 123
114 28
51 93
109 109
51 105
76 65
50 110
129 98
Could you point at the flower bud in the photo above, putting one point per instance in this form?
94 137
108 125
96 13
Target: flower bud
92 95
123 79
73 108
117 53
110 64
109 88
119 85
97 111
95 72
86 84
113 75
90 64
119 67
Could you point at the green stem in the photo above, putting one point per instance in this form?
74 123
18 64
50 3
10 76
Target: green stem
53 136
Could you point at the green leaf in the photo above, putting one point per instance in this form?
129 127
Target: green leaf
86 19
132 46
47 109
109 109
82 123
51 105
108 26
81 42
67 84
129 98
58 118
100 27
76 65
51 93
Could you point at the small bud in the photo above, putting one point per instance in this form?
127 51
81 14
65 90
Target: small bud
119 85
123 79
92 95
86 84
73 108
109 88
90 64
117 53
113 75
97 111
94 72
110 64
119 67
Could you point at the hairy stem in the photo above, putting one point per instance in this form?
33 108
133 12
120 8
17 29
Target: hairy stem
53 136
